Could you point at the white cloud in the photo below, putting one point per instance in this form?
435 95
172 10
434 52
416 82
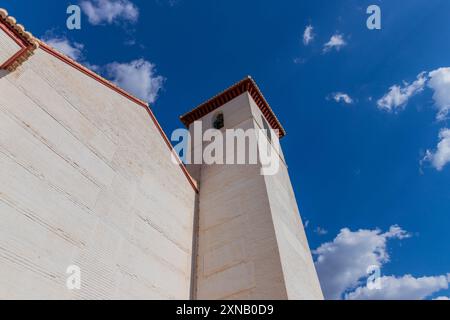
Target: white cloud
401 288
440 83
398 96
344 261
342 97
441 156
109 11
65 46
442 298
138 77
336 42
437 80
396 232
342 265
308 35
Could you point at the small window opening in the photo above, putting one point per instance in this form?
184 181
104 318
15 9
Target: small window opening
268 130
219 122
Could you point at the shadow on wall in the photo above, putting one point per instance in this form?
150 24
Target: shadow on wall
3 73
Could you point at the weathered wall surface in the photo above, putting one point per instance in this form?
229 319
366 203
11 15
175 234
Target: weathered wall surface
86 179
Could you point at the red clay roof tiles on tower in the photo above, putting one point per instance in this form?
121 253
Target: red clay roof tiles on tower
245 85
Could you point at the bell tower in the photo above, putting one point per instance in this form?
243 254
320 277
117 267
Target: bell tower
249 240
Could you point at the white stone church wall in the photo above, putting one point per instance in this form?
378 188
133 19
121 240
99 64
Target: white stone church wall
86 179
251 242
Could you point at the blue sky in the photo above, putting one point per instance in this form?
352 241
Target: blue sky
357 163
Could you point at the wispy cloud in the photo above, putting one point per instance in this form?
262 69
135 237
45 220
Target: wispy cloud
306 224
65 46
138 77
437 80
398 96
308 35
441 157
321 231
170 3
342 97
336 42
299 60
110 11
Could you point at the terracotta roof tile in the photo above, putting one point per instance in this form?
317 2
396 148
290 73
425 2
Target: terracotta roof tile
245 85
27 42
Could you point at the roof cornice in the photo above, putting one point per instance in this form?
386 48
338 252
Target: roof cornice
24 39
28 44
245 85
